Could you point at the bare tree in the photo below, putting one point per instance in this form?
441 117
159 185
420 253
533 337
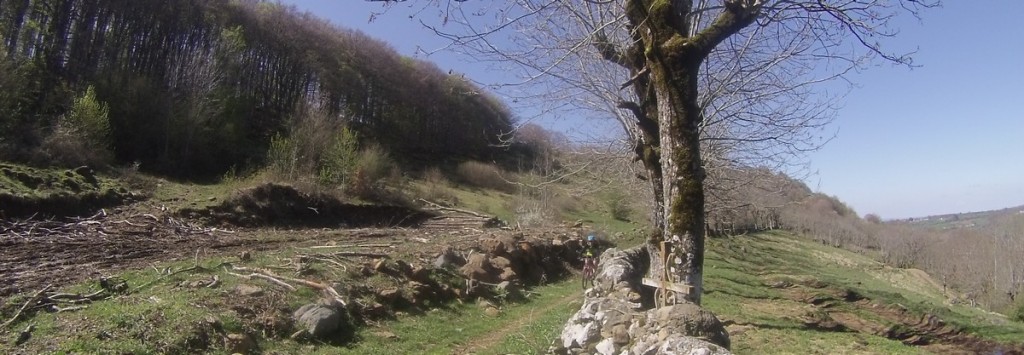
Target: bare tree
694 84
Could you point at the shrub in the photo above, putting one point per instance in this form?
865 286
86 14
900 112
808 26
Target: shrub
282 156
434 176
318 148
1018 314
375 163
484 175
373 167
531 212
91 118
436 189
618 205
82 135
338 161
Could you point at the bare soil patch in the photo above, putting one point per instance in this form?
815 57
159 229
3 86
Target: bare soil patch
282 205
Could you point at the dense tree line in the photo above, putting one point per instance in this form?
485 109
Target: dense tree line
194 87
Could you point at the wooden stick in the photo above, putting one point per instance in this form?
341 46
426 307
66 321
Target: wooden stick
68 309
326 260
193 268
264 277
267 275
352 246
353 253
35 297
437 206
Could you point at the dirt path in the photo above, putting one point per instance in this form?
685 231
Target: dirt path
496 335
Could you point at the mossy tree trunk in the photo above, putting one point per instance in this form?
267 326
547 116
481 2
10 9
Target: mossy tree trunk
665 60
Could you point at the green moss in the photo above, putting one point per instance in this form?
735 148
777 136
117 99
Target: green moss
26 191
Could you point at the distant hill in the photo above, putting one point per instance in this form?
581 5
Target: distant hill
962 220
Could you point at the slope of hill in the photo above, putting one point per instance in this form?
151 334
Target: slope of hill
783 294
980 219
778 293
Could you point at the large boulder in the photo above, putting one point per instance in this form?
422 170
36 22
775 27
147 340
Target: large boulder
322 321
666 324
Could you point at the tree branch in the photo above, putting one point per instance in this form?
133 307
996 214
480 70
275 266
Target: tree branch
608 50
737 15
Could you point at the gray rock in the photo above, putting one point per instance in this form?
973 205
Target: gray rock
390 294
679 345
320 321
606 347
239 344
449 257
248 290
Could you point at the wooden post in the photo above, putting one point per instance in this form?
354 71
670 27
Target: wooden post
665 284
665 274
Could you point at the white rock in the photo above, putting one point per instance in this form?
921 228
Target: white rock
606 347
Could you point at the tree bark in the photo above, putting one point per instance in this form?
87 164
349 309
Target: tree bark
672 57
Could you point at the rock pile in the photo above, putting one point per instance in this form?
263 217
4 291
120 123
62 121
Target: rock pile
512 259
615 317
498 266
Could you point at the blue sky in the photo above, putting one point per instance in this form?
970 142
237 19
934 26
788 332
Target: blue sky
946 137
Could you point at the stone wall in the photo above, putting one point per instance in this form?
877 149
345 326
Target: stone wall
616 316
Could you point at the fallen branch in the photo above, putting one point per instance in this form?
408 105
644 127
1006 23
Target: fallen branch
77 298
264 277
194 267
353 246
354 253
68 309
327 260
443 208
267 275
32 299
188 269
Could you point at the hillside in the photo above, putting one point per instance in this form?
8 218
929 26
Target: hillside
979 220
792 295
173 273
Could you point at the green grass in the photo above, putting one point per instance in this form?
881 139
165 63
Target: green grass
485 201
803 341
520 328
162 316
29 182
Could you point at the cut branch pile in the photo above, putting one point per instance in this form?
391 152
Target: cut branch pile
57 302
100 224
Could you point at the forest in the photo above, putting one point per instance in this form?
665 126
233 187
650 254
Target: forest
193 88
